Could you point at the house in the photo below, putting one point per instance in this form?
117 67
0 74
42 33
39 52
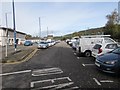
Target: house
20 36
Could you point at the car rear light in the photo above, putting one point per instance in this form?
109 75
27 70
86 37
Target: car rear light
99 50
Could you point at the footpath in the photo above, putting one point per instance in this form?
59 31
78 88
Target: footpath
22 54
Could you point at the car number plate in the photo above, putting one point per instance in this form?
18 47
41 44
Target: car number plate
97 64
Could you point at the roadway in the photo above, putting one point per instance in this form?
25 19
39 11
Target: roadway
57 68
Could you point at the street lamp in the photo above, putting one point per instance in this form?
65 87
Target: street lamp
14 26
39 28
6 32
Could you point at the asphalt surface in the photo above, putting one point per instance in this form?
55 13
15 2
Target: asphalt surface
57 68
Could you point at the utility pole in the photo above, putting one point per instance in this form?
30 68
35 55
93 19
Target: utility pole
39 28
47 31
6 35
14 26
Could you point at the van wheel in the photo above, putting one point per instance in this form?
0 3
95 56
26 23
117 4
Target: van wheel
88 53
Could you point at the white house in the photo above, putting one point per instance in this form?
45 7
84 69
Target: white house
20 36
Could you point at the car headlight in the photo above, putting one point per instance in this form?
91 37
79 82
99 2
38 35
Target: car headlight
111 62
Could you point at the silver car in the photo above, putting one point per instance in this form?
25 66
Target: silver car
43 45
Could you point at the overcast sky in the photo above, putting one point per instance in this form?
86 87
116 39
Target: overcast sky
60 17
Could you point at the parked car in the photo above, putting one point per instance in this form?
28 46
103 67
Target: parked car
43 45
99 48
109 62
49 43
28 43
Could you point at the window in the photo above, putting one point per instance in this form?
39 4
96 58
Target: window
97 46
111 46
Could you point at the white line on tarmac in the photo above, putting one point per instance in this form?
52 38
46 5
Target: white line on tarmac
106 81
78 57
47 71
12 73
52 80
47 74
98 83
57 86
69 79
75 54
88 65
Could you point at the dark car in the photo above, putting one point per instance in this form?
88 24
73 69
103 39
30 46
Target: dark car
109 62
28 43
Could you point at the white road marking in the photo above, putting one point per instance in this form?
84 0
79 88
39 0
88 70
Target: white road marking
83 65
78 57
88 65
109 81
97 81
52 80
47 71
75 54
72 88
64 85
57 86
12 73
69 79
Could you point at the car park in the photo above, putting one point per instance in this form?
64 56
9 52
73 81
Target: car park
109 62
28 43
43 45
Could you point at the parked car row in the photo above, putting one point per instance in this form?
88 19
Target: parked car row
104 49
46 44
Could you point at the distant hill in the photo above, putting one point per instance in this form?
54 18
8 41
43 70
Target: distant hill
93 31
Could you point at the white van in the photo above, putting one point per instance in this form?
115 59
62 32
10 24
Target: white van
86 43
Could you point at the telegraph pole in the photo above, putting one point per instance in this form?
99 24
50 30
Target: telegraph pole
39 28
14 26
6 34
47 31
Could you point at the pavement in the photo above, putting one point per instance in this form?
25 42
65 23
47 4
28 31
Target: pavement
19 55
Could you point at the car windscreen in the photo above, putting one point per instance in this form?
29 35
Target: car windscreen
43 42
109 40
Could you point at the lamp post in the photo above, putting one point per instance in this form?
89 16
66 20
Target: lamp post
39 28
6 18
14 26
6 34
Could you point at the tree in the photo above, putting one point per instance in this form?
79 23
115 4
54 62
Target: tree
111 26
28 36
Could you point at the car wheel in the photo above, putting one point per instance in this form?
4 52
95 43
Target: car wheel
88 53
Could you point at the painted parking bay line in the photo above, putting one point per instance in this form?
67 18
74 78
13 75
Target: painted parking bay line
87 64
18 72
106 81
47 71
51 80
98 83
78 57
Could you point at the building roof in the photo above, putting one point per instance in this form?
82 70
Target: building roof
4 28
